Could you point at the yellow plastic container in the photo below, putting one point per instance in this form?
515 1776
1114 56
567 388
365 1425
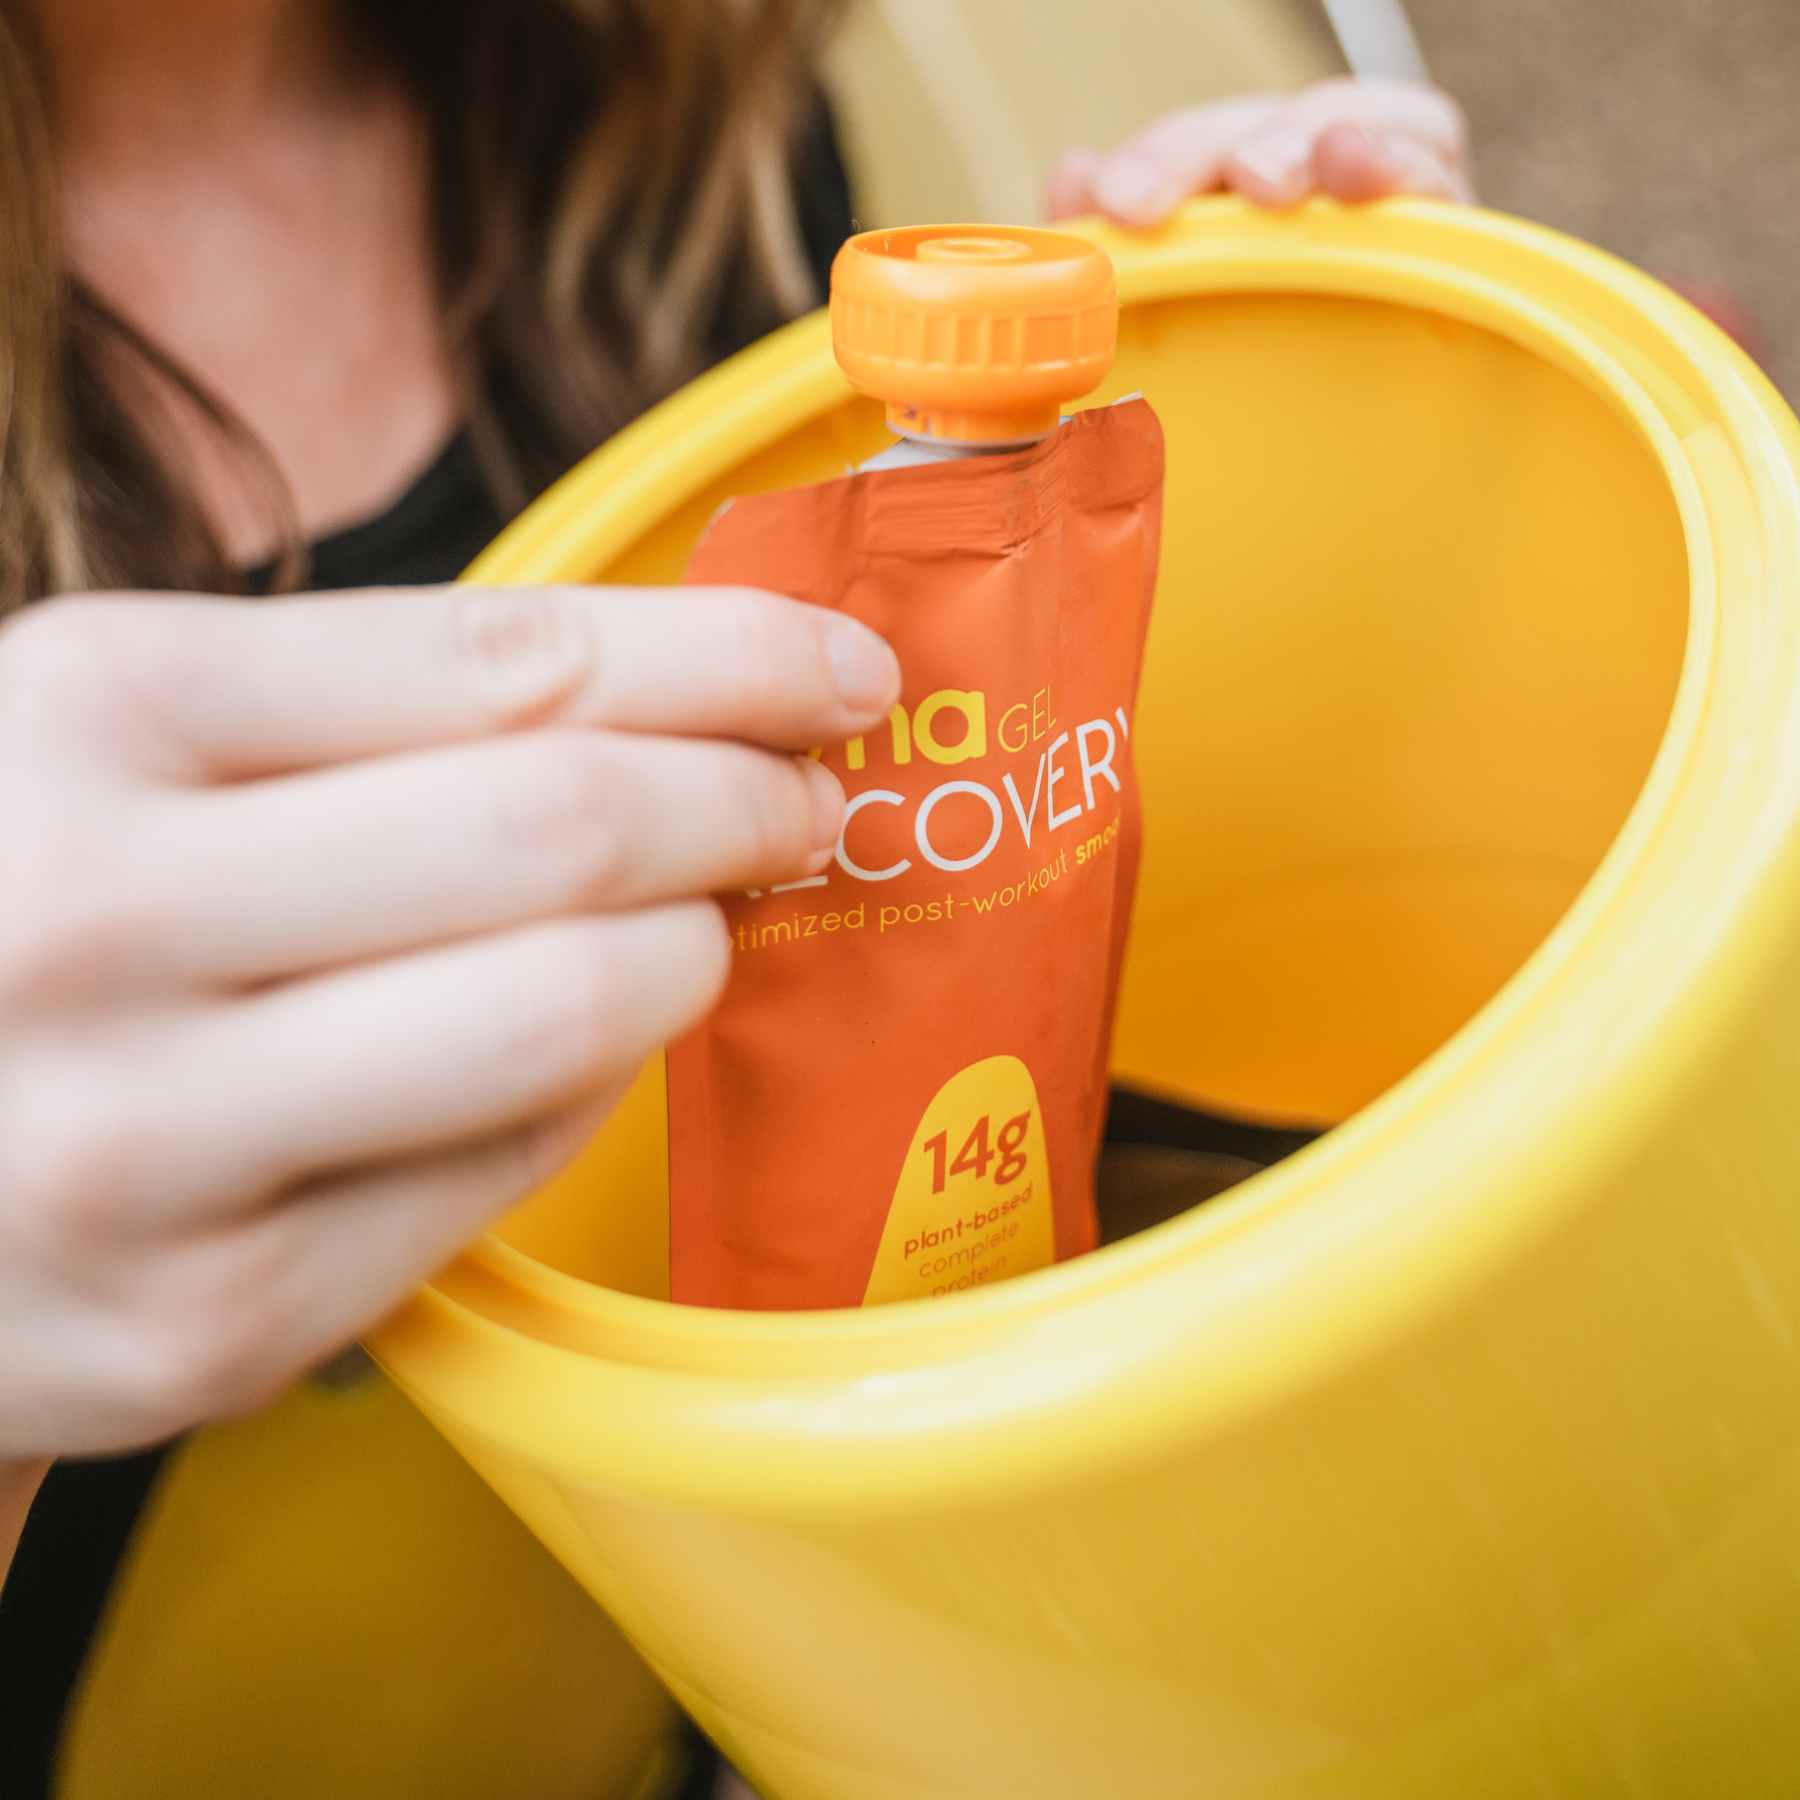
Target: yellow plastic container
1459 1454
323 1603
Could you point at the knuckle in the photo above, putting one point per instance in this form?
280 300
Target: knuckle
72 925
518 650
1175 134
133 1363
1421 105
51 656
761 634
83 1164
186 1370
209 1341
560 798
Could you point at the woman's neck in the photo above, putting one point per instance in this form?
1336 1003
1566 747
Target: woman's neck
251 193
186 75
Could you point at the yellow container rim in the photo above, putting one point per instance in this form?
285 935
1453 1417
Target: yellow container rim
1420 1197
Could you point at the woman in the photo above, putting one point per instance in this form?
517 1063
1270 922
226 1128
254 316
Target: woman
296 294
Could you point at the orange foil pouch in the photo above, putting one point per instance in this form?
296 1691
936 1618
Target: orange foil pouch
902 1093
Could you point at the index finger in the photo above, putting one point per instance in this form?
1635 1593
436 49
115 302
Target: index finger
229 690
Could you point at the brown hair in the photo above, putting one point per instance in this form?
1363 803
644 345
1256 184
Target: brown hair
612 193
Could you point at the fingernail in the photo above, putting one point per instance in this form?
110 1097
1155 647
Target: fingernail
1279 158
864 669
1346 163
828 811
1134 186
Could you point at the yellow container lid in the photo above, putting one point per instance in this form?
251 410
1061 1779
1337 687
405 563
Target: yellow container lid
974 334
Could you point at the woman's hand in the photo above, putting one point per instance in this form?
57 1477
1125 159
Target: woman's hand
1351 140
332 926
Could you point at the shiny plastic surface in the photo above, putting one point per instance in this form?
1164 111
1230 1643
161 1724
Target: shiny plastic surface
1459 1454
973 334
322 1600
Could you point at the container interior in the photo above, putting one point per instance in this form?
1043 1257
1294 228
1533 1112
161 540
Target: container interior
1420 621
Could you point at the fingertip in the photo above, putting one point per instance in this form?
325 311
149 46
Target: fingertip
1068 189
825 794
715 972
1274 169
865 672
1136 191
692 941
1348 165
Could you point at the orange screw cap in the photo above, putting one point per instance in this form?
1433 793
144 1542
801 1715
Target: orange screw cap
973 334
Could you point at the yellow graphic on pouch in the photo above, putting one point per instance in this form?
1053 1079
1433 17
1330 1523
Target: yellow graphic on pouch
973 1201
